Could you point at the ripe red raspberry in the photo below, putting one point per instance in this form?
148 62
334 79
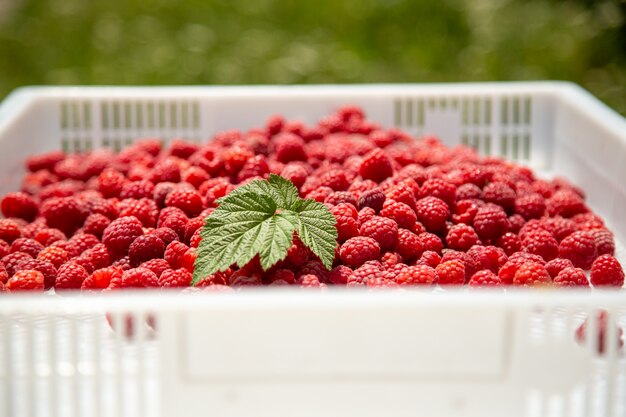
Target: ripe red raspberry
166 234
298 254
182 149
98 256
144 248
340 275
175 278
103 278
490 222
374 198
218 278
605 244
464 212
531 274
516 222
289 147
365 214
488 257
64 213
556 265
429 258
607 272
175 219
55 255
295 173
510 243
515 261
485 278
357 250
70 276
188 201
26 280
4 248
319 194
369 270
9 230
402 193
79 243
565 203
560 227
144 209
571 277
12 260
542 243
381 229
95 224
408 245
102 206
346 223
417 275
461 237
501 194
443 190
137 189
471 266
161 190
174 254
29 246
139 278
451 272
48 270
121 233
339 197
430 242
19 205
45 161
110 183
401 213
376 166
314 267
391 258
193 225
166 170
530 206
468 191
432 212
157 265
580 248
335 179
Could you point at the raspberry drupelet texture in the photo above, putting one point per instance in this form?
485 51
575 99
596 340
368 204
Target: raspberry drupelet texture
381 229
571 277
358 250
607 272
119 235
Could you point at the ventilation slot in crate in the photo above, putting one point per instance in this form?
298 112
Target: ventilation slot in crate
515 128
115 124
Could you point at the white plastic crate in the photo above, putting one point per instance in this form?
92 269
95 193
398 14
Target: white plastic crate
286 353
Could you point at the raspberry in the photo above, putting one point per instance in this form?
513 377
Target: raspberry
488 257
319 194
559 227
376 166
485 278
144 248
298 254
122 263
139 278
580 248
381 229
9 230
55 255
182 149
471 266
29 246
531 274
157 265
530 206
160 192
432 212
468 191
374 199
556 265
430 258
102 278
542 243
417 275
295 173
357 250
500 194
121 233
48 270
365 214
19 205
26 280
70 276
451 272
430 242
369 270
45 161
95 224
64 213
137 190
402 193
314 267
102 206
166 234
461 237
175 278
408 245
390 258
490 221
175 219
110 183
12 260
85 262
4 248
289 147
401 213
347 226
98 255
190 202
340 275
565 203
339 197
464 212
440 189
571 277
515 261
605 244
335 179
144 209
193 225
174 254
166 170
220 278
79 243
510 243
607 272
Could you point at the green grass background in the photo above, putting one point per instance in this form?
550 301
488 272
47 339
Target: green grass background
155 42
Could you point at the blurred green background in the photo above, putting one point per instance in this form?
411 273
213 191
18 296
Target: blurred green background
343 41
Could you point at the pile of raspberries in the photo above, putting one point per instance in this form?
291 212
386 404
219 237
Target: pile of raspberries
409 212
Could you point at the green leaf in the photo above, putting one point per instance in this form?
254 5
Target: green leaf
260 218
317 230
